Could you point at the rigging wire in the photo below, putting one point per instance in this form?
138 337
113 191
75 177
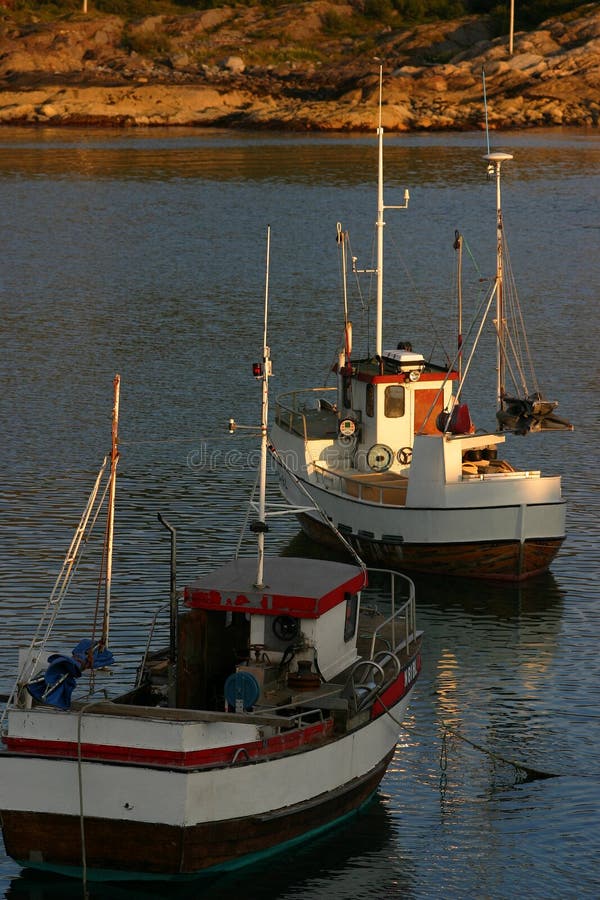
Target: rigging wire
419 297
364 306
314 505
517 331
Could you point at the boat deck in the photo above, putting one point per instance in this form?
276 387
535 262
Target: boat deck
312 424
390 641
386 488
310 413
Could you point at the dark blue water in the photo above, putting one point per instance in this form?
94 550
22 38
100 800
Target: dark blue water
144 253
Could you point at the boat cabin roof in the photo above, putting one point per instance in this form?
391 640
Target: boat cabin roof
295 587
396 369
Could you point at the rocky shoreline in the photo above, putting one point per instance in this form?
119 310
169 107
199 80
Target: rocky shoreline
244 68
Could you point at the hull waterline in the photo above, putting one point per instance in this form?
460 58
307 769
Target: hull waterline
510 561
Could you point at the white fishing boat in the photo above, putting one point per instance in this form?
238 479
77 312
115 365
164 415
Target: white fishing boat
269 717
390 454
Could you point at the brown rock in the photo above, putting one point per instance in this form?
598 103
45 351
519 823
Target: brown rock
297 66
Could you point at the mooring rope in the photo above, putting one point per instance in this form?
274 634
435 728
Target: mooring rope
521 768
530 772
85 708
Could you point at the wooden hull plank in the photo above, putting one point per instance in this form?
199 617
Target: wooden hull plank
127 850
498 560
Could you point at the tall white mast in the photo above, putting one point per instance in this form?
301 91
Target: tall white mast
266 371
380 226
381 223
495 161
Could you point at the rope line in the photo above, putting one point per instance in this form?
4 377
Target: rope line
521 768
85 708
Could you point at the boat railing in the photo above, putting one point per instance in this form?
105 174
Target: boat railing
162 609
502 476
278 718
297 411
375 670
401 624
290 716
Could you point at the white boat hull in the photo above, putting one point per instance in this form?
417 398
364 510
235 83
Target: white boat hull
507 529
174 820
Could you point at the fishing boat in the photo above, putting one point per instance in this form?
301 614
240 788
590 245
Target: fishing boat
391 456
267 715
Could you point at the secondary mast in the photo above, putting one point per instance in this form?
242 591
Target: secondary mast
110 523
260 527
495 161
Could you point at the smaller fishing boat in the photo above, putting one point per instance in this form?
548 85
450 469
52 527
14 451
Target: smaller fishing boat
390 452
268 716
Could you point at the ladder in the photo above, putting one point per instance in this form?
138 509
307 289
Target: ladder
34 652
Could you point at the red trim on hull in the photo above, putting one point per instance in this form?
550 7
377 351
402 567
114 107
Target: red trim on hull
184 759
398 689
488 560
116 846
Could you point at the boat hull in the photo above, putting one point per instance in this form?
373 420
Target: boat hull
167 819
123 850
500 560
507 526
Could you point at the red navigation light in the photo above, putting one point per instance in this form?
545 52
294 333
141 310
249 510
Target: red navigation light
257 370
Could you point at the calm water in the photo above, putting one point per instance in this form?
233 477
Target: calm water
143 253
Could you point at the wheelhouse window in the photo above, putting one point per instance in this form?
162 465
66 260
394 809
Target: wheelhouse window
394 401
351 616
370 400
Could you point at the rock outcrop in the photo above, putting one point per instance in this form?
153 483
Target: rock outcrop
298 67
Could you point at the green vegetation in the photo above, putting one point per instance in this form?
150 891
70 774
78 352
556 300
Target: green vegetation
49 10
148 43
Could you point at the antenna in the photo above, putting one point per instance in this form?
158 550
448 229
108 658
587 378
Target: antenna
485 106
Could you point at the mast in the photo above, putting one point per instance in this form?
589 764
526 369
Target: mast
380 226
458 243
260 527
341 239
381 207
495 161
110 517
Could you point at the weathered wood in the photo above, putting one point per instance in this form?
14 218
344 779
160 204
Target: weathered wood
496 560
55 840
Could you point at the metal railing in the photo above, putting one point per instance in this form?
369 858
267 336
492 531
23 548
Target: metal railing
406 613
370 675
292 414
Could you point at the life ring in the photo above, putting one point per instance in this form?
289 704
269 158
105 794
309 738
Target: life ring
380 457
404 456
